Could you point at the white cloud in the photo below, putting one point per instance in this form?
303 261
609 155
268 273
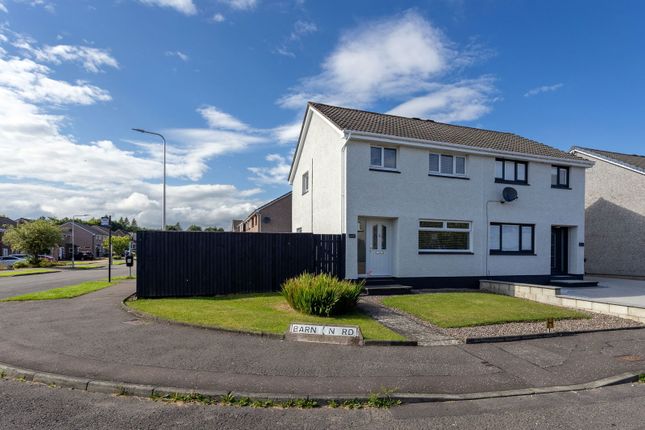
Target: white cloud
218 17
543 89
25 80
463 101
240 4
218 119
178 54
187 7
300 29
287 133
403 60
275 174
92 59
3 8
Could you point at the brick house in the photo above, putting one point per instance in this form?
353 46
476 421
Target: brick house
273 217
4 224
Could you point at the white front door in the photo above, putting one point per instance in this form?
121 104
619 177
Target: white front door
378 244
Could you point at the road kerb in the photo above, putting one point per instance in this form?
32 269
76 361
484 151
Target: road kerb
143 390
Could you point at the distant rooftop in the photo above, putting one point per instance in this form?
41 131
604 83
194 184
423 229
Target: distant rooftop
633 161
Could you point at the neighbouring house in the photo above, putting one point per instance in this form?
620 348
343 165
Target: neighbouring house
87 239
438 205
273 217
4 224
614 212
237 225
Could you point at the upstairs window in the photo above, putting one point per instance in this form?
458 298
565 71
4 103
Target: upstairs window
511 171
447 165
559 177
444 236
305 183
382 158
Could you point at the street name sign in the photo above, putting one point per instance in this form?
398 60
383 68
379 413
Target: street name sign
343 335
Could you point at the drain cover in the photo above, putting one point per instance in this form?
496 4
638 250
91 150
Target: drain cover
630 358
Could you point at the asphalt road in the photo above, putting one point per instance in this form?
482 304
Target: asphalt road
25 405
15 285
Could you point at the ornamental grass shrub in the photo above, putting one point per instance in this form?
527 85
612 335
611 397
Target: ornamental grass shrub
321 295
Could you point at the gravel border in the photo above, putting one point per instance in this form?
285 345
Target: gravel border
515 331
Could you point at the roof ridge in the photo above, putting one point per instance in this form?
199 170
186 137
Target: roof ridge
611 152
414 118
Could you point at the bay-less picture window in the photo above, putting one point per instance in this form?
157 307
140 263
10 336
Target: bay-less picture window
444 236
511 238
447 165
559 177
511 171
384 158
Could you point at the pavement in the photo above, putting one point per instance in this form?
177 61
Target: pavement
92 337
621 291
15 285
34 406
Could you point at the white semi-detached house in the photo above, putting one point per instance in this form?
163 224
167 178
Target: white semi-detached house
438 205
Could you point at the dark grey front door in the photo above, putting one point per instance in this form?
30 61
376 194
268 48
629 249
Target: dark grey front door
559 250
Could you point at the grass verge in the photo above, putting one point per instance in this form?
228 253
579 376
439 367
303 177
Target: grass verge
25 272
256 313
453 310
641 377
67 292
375 400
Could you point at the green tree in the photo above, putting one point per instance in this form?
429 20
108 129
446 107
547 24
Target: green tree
213 229
33 238
119 244
176 227
194 227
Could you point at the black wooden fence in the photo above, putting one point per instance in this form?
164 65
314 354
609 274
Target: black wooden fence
181 264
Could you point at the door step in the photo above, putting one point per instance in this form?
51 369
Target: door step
387 290
571 282
385 280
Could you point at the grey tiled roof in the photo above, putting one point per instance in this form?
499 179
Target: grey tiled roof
628 160
423 129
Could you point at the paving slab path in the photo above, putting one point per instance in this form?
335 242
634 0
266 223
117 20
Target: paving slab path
93 337
404 324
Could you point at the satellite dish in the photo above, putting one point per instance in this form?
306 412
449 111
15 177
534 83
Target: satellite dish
266 220
509 194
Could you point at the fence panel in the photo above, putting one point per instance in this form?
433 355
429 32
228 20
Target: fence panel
184 264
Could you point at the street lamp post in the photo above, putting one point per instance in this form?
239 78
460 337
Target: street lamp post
73 224
163 198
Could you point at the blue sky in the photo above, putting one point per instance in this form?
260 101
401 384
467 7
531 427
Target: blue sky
227 81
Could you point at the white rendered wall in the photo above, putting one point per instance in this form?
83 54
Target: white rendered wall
412 195
319 210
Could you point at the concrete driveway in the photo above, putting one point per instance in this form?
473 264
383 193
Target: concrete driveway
15 285
622 291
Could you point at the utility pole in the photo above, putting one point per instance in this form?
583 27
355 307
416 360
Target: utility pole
106 221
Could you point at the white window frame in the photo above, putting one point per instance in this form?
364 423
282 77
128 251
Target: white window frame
445 222
382 165
454 165
305 182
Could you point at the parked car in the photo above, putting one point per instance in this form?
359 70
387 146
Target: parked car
84 256
23 256
10 260
46 257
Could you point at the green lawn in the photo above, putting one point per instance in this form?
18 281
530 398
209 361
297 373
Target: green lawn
67 292
451 310
24 272
266 313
